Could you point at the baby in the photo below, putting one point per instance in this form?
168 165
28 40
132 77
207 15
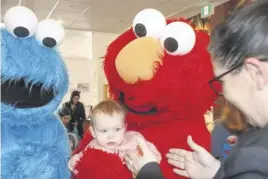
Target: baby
108 129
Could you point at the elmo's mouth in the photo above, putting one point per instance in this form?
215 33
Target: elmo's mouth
20 95
142 110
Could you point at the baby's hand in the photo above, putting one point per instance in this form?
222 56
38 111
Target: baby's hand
73 161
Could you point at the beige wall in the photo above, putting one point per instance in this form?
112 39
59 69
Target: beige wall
76 51
82 52
100 43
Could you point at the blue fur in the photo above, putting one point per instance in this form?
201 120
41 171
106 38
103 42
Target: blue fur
34 142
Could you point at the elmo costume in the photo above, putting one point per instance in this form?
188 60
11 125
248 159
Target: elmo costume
159 70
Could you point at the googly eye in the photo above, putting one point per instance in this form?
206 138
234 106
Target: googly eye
149 23
21 22
178 38
50 33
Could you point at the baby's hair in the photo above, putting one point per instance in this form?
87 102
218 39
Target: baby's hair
108 107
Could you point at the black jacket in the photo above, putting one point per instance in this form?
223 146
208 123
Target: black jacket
249 159
150 171
79 115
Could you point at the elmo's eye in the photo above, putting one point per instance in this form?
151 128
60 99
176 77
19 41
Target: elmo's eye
149 23
178 38
21 22
50 33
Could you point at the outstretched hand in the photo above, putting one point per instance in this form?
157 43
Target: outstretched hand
198 164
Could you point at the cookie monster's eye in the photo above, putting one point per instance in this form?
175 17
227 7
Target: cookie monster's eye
178 38
50 33
21 22
149 23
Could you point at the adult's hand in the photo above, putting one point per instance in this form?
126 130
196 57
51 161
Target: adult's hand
135 160
199 164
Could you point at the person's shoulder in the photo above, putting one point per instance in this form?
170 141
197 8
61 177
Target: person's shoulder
256 151
256 137
92 143
263 137
252 159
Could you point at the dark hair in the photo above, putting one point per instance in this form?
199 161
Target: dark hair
74 93
244 34
64 111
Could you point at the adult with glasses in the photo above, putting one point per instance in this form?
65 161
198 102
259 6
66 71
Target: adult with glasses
239 48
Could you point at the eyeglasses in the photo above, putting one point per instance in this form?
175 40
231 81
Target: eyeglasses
216 82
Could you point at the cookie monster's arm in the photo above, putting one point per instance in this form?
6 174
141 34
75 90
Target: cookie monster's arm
63 151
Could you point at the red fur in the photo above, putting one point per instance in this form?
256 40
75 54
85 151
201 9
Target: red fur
180 92
104 166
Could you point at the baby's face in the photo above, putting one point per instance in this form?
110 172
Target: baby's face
109 131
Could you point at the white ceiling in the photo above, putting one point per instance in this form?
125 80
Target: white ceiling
112 16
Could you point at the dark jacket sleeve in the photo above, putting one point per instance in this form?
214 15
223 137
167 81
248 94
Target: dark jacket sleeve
83 112
150 171
250 163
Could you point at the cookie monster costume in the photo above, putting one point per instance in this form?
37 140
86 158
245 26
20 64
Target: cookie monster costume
159 70
34 80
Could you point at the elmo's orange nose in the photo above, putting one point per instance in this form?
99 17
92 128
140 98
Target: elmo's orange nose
139 60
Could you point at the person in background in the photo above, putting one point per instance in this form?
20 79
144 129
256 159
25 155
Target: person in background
226 130
65 116
77 112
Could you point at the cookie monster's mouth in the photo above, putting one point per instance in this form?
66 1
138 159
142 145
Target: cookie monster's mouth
141 110
17 94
